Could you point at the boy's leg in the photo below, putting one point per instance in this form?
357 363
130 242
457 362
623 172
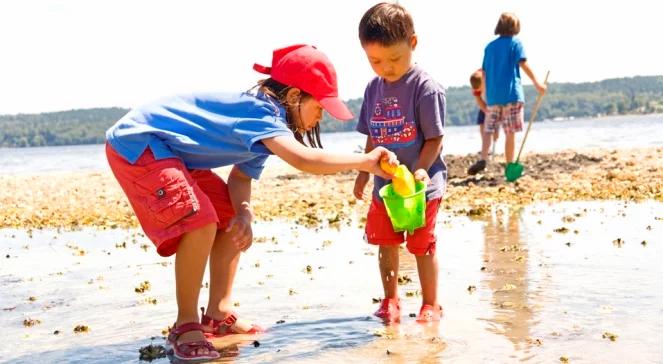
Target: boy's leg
428 270
388 262
380 231
190 260
514 115
487 127
509 146
423 245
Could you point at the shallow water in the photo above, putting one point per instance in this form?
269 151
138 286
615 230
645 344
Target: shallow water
616 132
537 298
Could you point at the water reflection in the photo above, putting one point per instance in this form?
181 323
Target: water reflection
506 258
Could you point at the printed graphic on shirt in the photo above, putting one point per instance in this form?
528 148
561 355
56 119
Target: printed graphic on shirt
388 125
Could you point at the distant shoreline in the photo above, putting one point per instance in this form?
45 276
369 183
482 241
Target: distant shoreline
640 95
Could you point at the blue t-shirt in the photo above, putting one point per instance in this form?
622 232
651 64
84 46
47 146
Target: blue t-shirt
204 130
501 64
400 116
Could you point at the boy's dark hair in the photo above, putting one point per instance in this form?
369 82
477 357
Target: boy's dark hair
386 24
508 25
475 80
279 91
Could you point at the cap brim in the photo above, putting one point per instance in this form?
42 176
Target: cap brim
336 108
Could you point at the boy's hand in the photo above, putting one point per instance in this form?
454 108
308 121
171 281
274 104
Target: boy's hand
360 185
421 175
242 233
541 88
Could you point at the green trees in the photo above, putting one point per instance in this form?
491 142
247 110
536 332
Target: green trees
634 95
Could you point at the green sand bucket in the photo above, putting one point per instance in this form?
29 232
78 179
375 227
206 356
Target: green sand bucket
406 213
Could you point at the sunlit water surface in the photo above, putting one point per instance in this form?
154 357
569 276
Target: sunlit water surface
534 286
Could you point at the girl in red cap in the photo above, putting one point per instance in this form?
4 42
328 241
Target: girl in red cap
162 155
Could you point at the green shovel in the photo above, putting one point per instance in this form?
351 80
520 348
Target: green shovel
514 170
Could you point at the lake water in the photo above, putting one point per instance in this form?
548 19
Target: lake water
611 132
538 295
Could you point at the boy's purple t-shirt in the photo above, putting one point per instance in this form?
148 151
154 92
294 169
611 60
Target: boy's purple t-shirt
400 116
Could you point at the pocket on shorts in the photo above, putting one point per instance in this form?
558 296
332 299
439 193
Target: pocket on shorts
167 195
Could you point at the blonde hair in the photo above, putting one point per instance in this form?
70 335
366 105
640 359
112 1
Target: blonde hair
508 25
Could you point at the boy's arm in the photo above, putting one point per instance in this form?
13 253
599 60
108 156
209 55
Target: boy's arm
540 88
429 153
481 103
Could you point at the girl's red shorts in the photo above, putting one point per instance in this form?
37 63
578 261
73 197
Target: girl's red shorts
169 199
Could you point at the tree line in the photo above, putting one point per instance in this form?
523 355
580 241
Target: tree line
633 95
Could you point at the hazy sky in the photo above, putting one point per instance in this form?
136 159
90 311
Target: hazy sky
66 54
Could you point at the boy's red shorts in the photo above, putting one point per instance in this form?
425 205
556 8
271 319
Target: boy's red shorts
379 230
169 199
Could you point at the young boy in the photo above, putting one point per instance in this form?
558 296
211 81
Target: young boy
476 82
403 111
503 58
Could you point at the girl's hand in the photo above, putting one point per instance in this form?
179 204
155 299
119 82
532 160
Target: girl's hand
242 233
360 185
421 175
373 161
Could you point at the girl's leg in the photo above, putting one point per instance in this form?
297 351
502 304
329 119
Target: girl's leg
509 146
388 261
190 260
427 269
223 267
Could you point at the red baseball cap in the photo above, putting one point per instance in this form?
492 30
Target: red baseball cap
305 67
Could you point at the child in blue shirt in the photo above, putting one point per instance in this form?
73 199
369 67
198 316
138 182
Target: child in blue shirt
162 155
502 61
404 111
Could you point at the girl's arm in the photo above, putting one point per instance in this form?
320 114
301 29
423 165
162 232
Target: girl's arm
239 188
540 88
317 161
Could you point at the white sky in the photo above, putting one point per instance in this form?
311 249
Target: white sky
58 55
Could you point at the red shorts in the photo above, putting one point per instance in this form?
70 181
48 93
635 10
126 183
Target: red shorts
169 199
379 230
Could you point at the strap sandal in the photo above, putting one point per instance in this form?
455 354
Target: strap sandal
190 351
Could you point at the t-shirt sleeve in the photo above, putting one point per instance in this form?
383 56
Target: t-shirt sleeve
364 114
432 113
253 168
251 131
520 51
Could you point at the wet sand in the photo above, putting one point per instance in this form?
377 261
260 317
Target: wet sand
71 200
575 280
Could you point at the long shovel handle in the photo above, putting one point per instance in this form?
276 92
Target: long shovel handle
531 119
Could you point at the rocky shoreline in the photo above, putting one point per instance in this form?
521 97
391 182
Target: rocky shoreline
73 200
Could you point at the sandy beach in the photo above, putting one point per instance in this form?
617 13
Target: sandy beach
70 200
541 270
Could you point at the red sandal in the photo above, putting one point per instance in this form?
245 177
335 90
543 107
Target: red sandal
188 352
225 325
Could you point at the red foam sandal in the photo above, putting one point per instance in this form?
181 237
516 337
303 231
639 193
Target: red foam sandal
188 351
220 328
389 311
430 313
